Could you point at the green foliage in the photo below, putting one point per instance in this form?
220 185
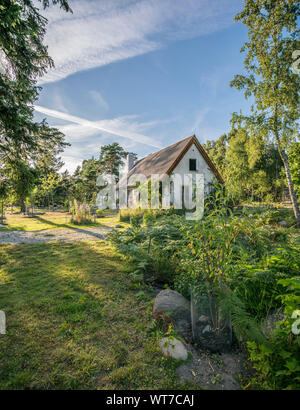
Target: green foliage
294 157
251 167
242 264
81 214
273 36
151 248
24 58
99 213
112 158
278 362
131 215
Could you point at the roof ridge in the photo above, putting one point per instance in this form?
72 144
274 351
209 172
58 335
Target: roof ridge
167 147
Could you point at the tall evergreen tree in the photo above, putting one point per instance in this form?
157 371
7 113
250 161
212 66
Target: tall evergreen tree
112 158
23 58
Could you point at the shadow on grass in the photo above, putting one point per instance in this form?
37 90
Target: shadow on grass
70 226
73 320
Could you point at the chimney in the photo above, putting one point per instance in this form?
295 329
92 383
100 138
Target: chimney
129 162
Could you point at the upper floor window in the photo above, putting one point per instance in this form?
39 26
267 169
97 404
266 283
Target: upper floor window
193 165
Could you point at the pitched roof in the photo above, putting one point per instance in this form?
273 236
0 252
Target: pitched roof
165 160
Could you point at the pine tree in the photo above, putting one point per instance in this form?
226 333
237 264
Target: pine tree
23 58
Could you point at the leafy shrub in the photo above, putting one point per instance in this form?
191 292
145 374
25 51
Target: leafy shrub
274 216
156 244
81 214
234 258
99 213
278 361
126 215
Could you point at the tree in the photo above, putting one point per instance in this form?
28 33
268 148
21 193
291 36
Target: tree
23 57
294 157
46 159
250 166
48 184
238 172
111 158
217 152
4 190
273 37
23 178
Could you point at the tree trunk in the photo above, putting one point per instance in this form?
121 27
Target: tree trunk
23 207
291 187
287 169
289 181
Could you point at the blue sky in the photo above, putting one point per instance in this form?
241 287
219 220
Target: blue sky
144 73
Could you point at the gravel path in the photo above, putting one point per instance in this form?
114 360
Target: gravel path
54 235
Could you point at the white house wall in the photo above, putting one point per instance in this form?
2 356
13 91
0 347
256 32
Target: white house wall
183 167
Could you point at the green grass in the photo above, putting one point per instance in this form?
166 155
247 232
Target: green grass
50 220
75 321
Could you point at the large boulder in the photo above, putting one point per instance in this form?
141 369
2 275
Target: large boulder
177 307
174 348
171 302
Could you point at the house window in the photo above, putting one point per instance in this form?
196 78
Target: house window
193 165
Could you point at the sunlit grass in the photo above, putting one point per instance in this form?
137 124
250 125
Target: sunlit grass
50 220
74 320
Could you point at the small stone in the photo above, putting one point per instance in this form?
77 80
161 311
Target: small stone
206 329
174 348
282 223
203 319
118 226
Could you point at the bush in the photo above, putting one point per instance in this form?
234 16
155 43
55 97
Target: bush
275 216
99 213
278 361
126 215
156 244
81 214
246 267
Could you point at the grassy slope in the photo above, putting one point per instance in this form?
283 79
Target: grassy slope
50 220
75 321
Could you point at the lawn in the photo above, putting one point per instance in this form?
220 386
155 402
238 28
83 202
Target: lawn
50 220
75 321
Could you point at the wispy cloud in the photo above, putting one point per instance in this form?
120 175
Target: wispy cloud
116 126
97 98
102 32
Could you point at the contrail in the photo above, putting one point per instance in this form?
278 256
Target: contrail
81 121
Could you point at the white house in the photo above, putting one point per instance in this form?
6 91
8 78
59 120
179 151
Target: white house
184 157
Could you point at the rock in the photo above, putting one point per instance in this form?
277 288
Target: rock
184 329
171 302
173 348
177 307
118 226
282 223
